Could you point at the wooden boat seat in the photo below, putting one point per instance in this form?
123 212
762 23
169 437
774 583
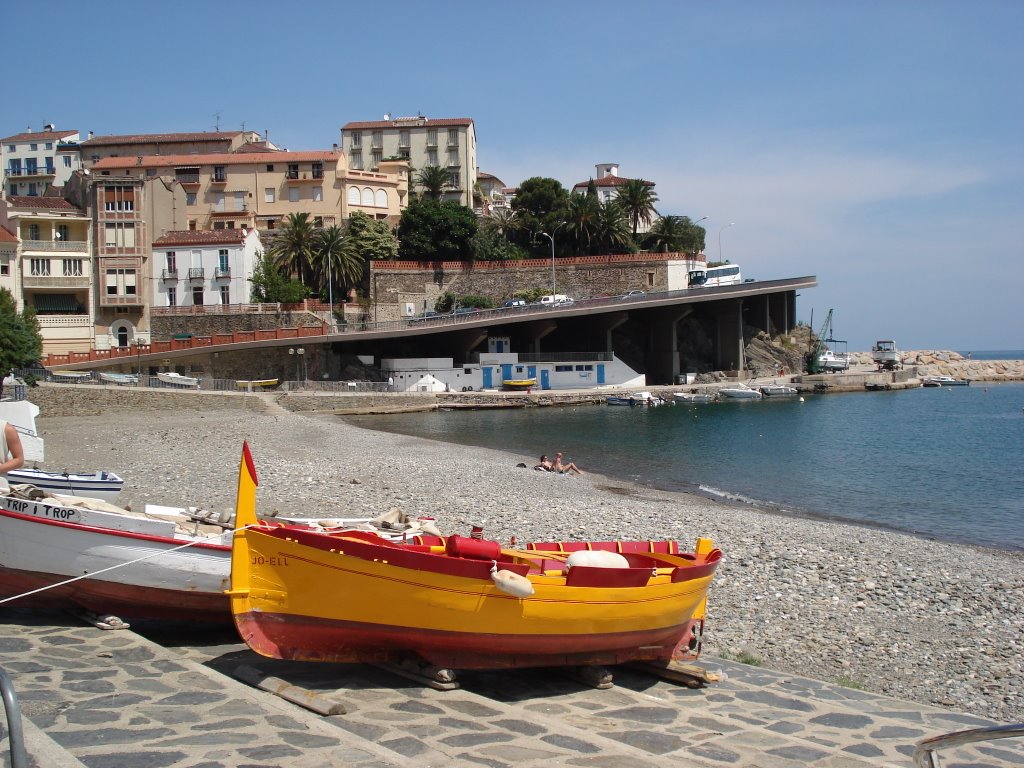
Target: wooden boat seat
587 576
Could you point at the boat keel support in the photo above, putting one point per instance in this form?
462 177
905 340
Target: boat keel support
102 621
304 698
438 678
595 677
690 675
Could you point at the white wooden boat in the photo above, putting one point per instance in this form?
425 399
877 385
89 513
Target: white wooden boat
740 392
694 397
119 378
177 380
886 356
94 485
830 362
70 377
47 541
252 384
945 381
778 390
22 414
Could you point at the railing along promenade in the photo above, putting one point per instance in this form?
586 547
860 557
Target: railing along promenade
350 329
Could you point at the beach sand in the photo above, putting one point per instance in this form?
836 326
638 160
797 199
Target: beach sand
921 620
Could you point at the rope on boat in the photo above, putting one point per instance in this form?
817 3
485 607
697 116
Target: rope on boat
122 565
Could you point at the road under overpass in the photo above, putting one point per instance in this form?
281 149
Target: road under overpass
646 331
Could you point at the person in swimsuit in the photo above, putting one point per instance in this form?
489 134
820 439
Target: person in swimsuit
558 466
545 465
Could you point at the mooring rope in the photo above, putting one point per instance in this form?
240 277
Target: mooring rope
130 562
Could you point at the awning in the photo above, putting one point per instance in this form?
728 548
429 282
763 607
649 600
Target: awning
56 303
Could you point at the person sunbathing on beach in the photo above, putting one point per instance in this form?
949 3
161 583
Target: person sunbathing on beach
558 466
545 465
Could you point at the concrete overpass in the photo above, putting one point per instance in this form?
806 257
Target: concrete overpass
590 325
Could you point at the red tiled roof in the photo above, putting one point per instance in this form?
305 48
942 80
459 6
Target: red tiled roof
202 237
48 203
609 181
160 138
216 158
40 135
6 236
256 146
412 122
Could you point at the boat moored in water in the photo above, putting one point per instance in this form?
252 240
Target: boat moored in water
778 390
462 602
740 392
694 397
944 381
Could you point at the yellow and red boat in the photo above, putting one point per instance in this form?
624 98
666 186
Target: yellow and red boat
460 602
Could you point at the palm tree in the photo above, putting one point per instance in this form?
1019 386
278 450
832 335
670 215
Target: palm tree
294 246
612 233
582 214
433 179
637 197
337 259
668 233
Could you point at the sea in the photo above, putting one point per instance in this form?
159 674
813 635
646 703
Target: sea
943 463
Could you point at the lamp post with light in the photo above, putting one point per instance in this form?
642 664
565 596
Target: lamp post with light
695 223
549 237
720 238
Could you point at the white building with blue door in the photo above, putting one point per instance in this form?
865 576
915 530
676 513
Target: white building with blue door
488 370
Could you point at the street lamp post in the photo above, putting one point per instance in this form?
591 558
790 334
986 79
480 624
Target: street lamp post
330 296
695 223
549 237
720 238
301 352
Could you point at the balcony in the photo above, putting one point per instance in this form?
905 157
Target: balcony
31 173
81 246
50 282
219 178
196 274
169 276
222 274
120 300
189 181
297 177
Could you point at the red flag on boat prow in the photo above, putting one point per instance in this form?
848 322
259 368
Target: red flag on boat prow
249 464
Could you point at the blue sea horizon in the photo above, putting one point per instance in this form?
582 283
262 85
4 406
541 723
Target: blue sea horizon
942 463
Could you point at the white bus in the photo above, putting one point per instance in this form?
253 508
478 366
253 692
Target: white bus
726 274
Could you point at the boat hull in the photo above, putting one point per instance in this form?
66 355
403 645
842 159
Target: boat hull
103 485
42 545
740 394
308 597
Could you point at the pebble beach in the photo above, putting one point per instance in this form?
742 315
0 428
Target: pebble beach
919 620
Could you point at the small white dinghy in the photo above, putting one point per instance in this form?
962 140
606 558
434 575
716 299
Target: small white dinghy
103 485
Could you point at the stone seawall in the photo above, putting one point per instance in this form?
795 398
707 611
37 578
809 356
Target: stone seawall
945 363
89 400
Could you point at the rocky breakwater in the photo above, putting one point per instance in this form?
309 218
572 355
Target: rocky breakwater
948 363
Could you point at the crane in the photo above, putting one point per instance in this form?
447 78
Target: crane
816 344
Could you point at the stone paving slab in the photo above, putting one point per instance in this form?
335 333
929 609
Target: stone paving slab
120 700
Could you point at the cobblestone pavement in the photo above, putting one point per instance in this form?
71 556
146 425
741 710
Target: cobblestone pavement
115 699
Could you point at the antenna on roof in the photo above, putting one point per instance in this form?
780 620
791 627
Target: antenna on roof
217 115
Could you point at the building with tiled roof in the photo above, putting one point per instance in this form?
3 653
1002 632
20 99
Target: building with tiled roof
133 145
195 268
492 189
448 143
34 161
607 183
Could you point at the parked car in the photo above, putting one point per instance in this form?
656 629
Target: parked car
465 311
514 303
556 300
632 295
428 315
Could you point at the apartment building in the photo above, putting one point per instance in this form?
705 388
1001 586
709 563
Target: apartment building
95 148
34 161
259 189
55 269
448 143
200 268
9 277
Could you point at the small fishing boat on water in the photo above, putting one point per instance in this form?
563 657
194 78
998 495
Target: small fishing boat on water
740 392
462 602
778 390
944 381
172 379
694 397
120 379
635 399
94 485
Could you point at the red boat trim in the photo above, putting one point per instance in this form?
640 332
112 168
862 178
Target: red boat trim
111 532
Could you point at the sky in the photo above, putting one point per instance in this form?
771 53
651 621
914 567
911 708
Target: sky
874 145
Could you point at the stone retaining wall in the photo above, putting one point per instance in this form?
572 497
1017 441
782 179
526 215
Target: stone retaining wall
92 400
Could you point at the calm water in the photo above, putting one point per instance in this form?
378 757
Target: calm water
944 462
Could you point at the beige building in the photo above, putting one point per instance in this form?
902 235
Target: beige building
95 148
55 269
34 161
448 143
